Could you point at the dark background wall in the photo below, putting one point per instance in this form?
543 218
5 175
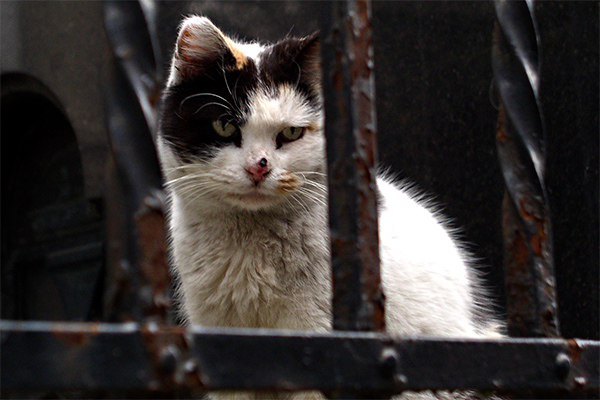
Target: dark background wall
436 124
436 116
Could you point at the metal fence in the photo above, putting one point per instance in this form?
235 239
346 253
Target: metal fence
154 358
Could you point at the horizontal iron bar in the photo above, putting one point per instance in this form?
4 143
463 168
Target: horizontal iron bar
131 356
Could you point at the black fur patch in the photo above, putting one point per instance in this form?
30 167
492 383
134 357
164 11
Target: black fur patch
190 107
216 90
293 61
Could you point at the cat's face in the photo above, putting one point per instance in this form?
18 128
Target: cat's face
241 124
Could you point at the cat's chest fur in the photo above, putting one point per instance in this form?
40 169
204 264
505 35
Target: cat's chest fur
252 269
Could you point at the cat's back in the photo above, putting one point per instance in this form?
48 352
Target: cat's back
425 273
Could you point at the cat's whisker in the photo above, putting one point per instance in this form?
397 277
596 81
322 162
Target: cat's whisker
318 192
314 198
187 166
298 201
223 115
304 173
203 94
226 82
313 182
206 94
317 200
310 194
192 183
234 94
189 169
315 185
211 104
191 195
194 193
299 75
185 189
192 176
186 183
170 142
198 180
200 194
186 171
304 207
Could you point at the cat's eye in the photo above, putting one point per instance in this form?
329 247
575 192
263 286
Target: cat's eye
290 134
224 129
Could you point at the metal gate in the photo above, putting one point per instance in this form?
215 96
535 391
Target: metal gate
154 358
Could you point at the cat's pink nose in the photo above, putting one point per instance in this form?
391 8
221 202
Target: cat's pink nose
258 171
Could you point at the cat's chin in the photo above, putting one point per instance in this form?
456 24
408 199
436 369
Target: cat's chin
254 201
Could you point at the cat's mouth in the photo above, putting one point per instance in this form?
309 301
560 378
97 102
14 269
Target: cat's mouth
263 196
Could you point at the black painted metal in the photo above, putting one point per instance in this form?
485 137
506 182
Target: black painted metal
532 309
350 127
143 357
131 30
134 286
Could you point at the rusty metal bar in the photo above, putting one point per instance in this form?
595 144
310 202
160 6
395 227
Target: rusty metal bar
348 84
86 356
531 292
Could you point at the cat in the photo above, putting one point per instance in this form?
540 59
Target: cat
242 148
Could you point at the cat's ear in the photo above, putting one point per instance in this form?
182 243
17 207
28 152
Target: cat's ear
296 60
200 46
309 59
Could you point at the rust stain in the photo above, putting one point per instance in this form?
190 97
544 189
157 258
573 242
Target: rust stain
152 239
152 236
502 135
539 240
519 249
80 337
72 338
575 350
168 349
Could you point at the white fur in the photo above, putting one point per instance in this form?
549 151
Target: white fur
424 274
250 256
259 257
202 30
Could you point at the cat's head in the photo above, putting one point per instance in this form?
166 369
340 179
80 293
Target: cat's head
241 123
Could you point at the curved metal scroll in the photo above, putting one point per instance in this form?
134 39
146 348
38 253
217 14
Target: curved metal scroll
138 280
530 283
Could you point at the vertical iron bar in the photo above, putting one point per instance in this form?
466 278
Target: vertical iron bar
348 84
532 309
